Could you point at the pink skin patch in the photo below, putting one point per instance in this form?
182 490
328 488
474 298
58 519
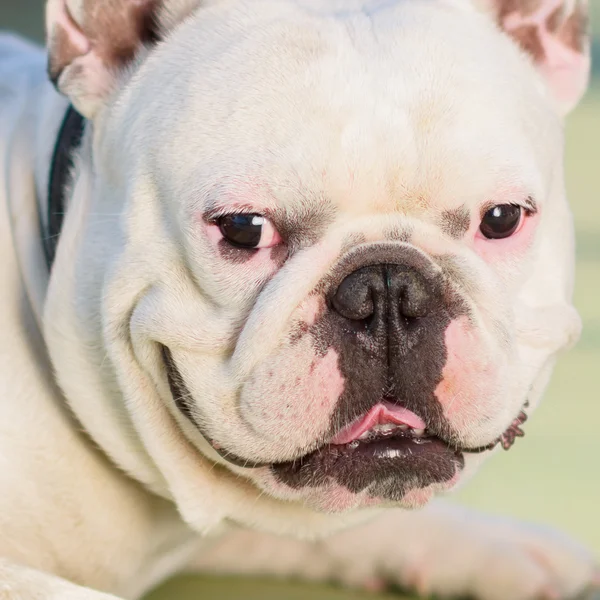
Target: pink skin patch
213 233
290 399
326 382
77 39
417 498
381 414
334 498
310 309
466 369
329 498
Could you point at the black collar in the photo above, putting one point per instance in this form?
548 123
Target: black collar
68 140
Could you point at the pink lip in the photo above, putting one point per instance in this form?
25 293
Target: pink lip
380 414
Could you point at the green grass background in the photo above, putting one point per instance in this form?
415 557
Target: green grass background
553 474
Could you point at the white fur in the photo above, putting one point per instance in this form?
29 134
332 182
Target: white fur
123 469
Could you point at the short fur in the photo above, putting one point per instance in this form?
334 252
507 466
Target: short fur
370 133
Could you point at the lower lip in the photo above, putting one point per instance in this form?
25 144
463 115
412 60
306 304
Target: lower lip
409 461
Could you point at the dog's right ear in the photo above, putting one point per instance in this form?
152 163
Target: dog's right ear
91 41
555 34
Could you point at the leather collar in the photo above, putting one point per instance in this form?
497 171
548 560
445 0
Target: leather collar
61 167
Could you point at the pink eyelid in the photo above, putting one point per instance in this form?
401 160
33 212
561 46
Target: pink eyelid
270 236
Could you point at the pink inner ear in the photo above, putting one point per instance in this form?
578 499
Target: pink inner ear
79 71
566 70
67 41
557 44
80 44
88 45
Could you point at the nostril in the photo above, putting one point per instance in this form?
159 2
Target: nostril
382 292
387 304
414 299
354 300
412 310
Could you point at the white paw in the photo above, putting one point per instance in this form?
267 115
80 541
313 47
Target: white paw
451 553
493 560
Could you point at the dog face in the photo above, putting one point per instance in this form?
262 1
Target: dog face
333 251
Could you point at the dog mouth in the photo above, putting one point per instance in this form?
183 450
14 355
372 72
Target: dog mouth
387 431
388 436
388 451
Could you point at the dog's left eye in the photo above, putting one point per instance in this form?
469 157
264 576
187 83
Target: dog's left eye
248 231
501 221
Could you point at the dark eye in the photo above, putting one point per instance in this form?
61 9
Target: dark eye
248 231
501 221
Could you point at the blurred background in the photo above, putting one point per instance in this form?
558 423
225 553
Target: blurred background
552 477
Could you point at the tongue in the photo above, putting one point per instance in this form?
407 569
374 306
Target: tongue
380 414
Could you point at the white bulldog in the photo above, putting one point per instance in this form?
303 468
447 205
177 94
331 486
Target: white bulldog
316 266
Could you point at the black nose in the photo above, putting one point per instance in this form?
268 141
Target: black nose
384 293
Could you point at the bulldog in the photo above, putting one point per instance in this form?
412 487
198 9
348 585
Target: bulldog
308 263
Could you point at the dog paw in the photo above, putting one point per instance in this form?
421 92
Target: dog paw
452 553
496 561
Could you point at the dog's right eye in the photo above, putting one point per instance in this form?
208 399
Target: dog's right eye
250 231
501 221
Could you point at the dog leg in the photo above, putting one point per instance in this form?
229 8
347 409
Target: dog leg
442 550
21 583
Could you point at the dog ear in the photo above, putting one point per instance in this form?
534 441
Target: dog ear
90 42
555 34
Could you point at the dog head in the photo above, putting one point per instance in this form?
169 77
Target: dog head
324 244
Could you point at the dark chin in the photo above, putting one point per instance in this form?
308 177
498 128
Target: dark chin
386 468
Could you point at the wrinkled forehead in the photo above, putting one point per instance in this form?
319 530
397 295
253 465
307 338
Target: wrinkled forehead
411 104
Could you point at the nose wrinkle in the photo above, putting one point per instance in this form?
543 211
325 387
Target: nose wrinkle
388 277
398 336
386 325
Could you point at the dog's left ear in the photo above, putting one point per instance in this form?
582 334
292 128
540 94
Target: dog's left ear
91 42
555 34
